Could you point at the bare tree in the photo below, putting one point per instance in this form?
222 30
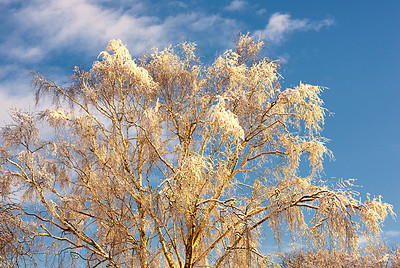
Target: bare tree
166 162
375 255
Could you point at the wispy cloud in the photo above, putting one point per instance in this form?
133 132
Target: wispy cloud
392 233
10 100
45 26
284 58
236 5
179 4
281 25
362 241
80 24
261 11
38 31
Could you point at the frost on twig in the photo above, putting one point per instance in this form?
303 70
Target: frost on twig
224 120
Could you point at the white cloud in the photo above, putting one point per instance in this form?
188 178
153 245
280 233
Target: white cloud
392 233
236 5
46 26
362 241
179 4
44 29
80 25
280 25
25 53
14 91
292 246
261 11
9 101
284 58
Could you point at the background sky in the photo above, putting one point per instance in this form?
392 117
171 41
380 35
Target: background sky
350 47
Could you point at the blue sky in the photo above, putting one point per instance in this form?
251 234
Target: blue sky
350 47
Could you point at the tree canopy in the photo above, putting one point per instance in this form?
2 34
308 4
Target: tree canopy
163 161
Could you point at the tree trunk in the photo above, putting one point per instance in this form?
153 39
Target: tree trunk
189 246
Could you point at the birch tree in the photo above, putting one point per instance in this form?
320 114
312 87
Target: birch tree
163 161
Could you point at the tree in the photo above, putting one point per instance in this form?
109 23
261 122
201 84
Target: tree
166 162
377 255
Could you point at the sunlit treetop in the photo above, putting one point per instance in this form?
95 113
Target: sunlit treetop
163 161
